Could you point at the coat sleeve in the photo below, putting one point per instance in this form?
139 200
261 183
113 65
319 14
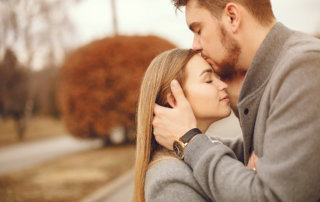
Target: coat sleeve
235 144
289 167
172 180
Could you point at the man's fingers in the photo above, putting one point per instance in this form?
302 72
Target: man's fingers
177 92
164 142
158 110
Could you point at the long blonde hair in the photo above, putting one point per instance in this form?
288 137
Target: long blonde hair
155 87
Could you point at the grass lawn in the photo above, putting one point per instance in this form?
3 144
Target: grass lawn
38 128
68 179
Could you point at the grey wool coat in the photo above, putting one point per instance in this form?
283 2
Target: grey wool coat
170 179
279 113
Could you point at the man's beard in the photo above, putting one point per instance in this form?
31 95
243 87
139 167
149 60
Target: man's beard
227 68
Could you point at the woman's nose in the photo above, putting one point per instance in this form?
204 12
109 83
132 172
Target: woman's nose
222 85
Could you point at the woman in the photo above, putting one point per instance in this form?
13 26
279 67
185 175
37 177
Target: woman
159 174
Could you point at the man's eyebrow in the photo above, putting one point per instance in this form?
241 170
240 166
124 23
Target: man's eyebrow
193 25
206 71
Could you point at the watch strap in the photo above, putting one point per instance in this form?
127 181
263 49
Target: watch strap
190 134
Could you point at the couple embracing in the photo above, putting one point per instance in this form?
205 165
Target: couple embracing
242 60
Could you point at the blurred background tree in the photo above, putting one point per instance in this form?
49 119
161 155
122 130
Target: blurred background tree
33 35
99 83
35 29
13 90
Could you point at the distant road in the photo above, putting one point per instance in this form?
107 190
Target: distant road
24 155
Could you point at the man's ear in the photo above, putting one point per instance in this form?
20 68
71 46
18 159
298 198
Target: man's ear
232 16
171 100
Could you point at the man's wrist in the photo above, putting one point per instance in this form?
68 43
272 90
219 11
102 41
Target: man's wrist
180 144
193 138
186 138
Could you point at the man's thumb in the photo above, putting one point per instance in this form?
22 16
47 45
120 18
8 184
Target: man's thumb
177 92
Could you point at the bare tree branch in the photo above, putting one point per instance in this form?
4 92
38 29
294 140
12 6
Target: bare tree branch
30 26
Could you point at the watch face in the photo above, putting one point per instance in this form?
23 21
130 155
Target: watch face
178 149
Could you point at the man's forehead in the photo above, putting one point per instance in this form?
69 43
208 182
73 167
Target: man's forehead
192 6
192 11
197 15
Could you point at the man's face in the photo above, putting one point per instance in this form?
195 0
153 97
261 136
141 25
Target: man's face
212 39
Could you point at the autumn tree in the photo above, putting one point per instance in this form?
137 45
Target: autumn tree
35 29
37 33
13 91
43 85
99 83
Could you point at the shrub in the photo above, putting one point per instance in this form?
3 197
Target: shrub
99 83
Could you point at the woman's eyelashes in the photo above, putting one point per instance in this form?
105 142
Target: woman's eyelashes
209 81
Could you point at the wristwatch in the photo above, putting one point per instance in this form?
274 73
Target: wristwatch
181 143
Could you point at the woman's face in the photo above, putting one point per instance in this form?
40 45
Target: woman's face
205 92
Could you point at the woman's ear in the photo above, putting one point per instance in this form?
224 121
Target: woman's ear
171 100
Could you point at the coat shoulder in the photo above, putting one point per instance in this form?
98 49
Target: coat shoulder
172 180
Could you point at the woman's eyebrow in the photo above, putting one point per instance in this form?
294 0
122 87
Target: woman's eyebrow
206 71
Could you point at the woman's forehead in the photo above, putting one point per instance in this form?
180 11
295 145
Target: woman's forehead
198 64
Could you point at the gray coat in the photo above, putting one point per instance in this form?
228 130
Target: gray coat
279 113
170 179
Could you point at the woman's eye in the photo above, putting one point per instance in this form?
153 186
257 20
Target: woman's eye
210 81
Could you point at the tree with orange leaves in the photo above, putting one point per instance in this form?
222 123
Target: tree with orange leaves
99 83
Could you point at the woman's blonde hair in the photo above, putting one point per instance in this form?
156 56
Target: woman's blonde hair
155 87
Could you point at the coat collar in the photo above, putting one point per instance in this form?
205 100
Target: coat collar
256 80
264 60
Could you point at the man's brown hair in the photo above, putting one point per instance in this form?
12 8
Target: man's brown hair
260 9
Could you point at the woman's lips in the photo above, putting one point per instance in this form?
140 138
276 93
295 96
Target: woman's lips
225 99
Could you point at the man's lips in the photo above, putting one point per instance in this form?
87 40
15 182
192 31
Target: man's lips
209 61
206 58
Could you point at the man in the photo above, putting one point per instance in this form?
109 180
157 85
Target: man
273 75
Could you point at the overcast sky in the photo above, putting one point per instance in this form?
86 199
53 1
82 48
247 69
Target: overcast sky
92 18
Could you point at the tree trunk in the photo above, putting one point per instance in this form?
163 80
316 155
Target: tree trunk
114 17
22 122
20 127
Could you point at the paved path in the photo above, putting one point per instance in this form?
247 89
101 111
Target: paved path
119 190
26 155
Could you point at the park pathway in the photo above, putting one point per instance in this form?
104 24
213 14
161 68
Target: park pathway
119 190
25 155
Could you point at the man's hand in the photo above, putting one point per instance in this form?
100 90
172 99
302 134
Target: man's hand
252 164
170 124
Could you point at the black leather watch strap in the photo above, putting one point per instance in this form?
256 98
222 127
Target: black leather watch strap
187 137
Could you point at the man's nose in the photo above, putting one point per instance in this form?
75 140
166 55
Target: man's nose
196 46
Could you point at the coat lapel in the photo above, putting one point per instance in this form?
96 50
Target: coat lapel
255 82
